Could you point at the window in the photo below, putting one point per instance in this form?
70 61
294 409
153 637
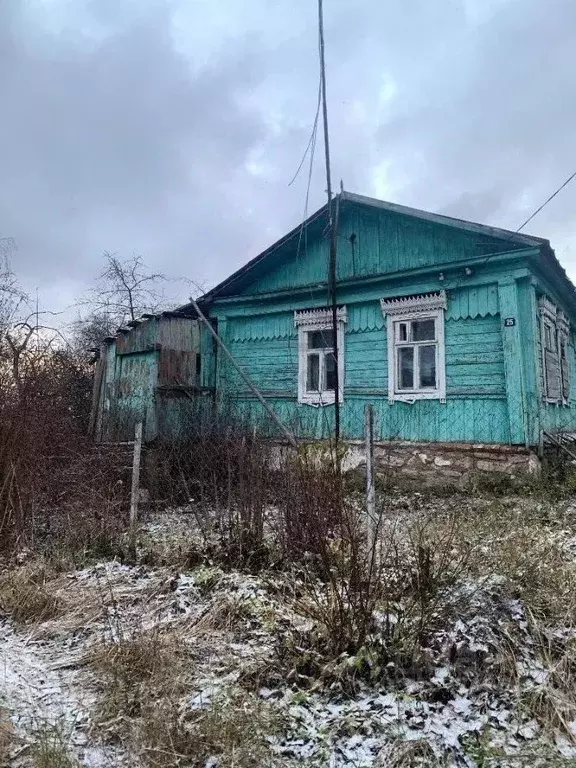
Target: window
554 336
316 359
415 328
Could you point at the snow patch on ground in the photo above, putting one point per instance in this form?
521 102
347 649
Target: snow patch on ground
44 682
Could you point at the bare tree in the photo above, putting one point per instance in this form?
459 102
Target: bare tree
88 331
12 297
27 345
125 289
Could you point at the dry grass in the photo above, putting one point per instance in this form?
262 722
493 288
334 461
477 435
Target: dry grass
552 700
146 685
409 754
530 552
144 667
7 738
49 748
231 730
26 596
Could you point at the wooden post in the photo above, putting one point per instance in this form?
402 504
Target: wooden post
370 488
135 491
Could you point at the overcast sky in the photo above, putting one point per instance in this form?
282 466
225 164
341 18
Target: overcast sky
172 128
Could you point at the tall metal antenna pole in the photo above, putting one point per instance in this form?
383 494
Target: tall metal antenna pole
332 225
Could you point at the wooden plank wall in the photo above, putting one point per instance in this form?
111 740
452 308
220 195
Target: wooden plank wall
476 407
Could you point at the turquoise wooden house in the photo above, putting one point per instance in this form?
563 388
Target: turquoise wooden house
458 334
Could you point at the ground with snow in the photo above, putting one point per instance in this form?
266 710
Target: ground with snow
468 704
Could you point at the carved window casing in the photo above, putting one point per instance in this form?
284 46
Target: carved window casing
416 348
316 359
554 337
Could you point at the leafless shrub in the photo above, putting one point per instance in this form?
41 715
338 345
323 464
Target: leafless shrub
219 469
50 479
374 612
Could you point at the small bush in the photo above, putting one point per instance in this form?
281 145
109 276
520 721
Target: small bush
374 612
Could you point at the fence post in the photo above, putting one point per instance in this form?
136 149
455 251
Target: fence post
370 489
135 491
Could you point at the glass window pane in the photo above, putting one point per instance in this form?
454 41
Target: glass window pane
313 373
320 339
330 367
423 330
402 331
427 367
406 368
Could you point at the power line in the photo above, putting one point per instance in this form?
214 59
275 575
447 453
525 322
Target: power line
545 203
312 147
521 227
312 139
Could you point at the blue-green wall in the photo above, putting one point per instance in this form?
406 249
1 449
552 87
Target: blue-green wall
266 347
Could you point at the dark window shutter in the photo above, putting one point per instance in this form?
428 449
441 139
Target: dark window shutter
552 374
564 370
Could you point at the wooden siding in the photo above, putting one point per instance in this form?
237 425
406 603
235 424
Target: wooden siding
384 243
493 368
266 346
555 417
143 370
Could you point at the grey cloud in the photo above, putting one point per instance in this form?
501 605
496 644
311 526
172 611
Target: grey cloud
118 146
173 129
495 134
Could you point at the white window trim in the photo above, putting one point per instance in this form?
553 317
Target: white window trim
319 320
421 307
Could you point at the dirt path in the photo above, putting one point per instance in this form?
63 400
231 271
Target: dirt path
41 687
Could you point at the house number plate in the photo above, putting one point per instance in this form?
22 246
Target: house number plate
509 321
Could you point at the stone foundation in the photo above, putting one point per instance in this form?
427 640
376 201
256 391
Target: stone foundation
434 463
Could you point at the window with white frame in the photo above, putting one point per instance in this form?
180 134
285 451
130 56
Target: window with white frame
416 353
316 355
554 335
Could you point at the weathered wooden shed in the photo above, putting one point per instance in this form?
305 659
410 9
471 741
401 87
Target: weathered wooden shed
149 371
